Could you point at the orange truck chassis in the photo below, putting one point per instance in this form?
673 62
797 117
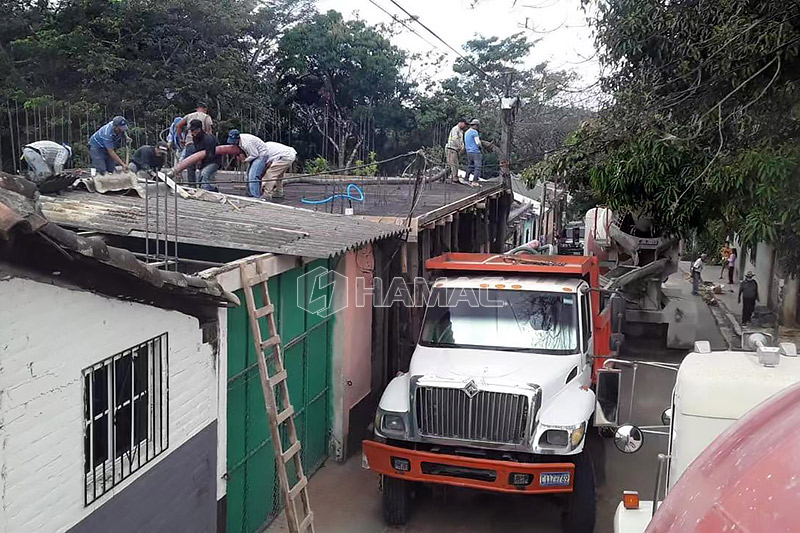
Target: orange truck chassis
484 474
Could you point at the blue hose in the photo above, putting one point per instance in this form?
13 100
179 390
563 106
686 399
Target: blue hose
347 196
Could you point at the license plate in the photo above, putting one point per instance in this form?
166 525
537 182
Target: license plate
554 479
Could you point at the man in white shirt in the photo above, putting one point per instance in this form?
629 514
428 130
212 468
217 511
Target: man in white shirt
256 153
45 159
454 147
697 269
274 158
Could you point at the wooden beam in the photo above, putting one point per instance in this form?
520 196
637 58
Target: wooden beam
454 242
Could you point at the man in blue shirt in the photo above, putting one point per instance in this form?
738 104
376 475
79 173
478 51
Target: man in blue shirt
103 143
472 144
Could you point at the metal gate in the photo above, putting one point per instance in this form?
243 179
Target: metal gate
253 498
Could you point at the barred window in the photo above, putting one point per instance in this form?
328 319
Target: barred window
126 415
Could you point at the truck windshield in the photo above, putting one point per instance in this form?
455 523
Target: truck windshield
540 322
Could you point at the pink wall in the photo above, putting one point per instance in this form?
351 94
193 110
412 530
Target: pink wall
352 339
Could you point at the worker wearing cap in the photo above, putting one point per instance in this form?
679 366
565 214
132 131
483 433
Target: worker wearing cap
45 159
148 157
472 144
454 147
210 163
103 143
256 153
748 291
201 114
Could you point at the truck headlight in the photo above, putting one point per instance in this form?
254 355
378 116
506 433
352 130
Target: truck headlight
393 423
569 437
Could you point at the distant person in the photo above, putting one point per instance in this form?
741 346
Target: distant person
472 144
201 114
148 157
697 269
45 159
256 153
732 265
725 252
210 163
748 296
455 147
103 143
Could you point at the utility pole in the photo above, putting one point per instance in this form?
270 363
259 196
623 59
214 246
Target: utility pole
508 110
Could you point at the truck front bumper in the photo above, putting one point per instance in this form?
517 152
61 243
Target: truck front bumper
485 474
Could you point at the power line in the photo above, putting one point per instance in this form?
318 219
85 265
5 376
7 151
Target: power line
409 28
459 54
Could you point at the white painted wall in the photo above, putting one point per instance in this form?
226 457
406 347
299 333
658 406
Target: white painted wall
49 334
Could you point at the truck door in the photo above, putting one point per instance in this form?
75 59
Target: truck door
587 342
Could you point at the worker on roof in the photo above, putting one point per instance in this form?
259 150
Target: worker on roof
278 160
104 141
472 144
201 140
201 114
454 147
45 159
148 157
256 153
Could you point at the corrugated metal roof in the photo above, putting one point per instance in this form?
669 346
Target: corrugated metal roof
21 216
250 225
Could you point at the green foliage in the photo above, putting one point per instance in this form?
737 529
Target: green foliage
371 168
703 126
317 165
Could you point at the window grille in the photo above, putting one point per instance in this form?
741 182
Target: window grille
126 414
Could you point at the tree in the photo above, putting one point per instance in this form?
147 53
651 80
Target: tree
703 124
338 72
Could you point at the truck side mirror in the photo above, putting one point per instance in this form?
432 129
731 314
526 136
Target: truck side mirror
606 413
628 439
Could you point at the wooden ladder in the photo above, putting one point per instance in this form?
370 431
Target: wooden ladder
302 521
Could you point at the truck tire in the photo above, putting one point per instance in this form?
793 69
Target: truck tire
581 504
396 500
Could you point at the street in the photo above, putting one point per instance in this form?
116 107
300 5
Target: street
345 497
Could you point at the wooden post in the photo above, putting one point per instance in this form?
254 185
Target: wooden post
454 241
425 252
447 237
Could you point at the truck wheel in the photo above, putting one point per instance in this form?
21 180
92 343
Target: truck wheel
581 504
396 500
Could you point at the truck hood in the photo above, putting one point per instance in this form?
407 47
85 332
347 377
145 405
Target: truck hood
494 367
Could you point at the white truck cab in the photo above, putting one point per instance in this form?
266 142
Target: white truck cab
713 390
498 395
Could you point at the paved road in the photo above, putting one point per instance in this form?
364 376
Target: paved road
345 498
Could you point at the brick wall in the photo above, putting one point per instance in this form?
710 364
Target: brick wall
49 335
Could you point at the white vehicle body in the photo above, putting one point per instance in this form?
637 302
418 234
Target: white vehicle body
556 387
712 391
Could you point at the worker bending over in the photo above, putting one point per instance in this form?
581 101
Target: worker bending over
276 159
104 141
148 157
210 163
45 159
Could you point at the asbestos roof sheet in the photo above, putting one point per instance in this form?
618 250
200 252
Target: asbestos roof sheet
238 224
21 217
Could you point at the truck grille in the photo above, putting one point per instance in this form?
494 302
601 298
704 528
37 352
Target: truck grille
495 417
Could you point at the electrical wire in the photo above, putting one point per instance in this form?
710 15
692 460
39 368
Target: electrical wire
409 28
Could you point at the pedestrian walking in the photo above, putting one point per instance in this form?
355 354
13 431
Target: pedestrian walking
696 270
472 144
45 159
732 265
104 141
748 296
210 163
725 252
256 153
455 147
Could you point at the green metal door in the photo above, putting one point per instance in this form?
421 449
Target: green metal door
253 493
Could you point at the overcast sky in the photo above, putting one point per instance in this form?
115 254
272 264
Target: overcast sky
565 41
